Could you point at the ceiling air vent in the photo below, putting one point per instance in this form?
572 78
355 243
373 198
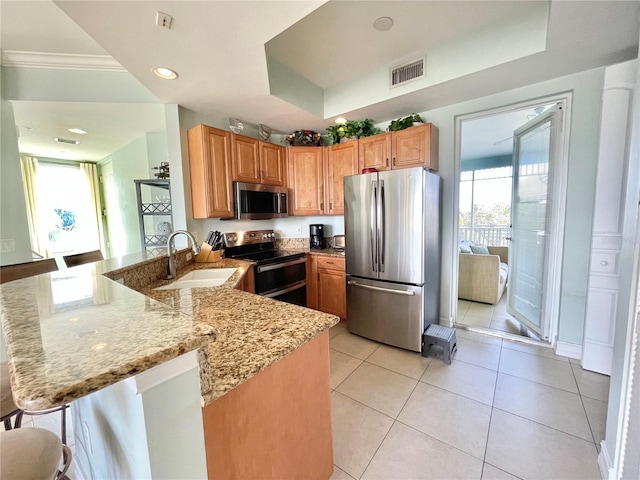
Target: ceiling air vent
407 73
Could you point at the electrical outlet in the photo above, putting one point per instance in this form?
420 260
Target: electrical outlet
299 230
163 20
189 256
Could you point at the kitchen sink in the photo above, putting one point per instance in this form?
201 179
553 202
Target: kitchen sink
210 277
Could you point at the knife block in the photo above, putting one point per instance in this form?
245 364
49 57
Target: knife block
208 255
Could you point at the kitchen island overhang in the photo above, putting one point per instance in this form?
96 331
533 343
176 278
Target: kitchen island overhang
236 334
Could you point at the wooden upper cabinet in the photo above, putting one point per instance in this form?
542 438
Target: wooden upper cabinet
272 164
255 161
306 180
246 159
415 146
341 161
375 152
210 171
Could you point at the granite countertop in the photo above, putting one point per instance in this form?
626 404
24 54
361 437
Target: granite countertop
328 252
75 331
252 331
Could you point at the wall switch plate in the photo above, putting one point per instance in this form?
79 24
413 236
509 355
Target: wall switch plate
7 245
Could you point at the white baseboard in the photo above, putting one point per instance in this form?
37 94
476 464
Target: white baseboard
604 462
571 350
446 321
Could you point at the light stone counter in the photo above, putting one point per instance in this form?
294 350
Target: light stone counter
252 331
75 331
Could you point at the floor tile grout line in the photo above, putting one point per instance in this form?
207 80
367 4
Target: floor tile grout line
437 440
538 383
399 373
502 470
493 401
538 356
586 414
544 425
451 391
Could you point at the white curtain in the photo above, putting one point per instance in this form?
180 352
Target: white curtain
29 166
91 173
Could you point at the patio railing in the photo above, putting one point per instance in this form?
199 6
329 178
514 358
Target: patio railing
495 236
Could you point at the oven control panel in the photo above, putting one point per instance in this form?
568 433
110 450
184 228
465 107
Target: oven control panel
236 239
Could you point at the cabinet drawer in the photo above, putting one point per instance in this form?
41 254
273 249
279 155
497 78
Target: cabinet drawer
332 263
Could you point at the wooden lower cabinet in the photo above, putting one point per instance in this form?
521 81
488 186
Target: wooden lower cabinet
327 285
248 282
278 423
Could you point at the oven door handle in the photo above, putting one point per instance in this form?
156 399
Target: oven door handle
290 288
268 268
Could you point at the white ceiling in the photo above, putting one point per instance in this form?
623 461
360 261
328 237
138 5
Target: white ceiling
218 48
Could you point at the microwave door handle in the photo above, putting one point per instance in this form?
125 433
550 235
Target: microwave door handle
372 227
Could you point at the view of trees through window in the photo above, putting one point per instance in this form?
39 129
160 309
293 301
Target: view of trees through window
485 205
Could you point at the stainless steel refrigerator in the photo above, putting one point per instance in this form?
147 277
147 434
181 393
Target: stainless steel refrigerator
392 230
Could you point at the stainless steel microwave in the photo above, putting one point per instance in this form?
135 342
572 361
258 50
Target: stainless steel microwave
259 202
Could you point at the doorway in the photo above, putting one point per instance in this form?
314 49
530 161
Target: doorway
500 291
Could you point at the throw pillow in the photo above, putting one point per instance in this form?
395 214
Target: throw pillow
479 249
465 247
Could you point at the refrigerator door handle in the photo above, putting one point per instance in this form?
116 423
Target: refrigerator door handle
380 289
381 224
372 227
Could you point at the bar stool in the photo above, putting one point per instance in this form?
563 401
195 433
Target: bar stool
8 409
17 271
82 258
32 454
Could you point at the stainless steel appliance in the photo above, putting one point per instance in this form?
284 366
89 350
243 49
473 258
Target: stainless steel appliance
259 202
279 274
316 236
392 229
338 242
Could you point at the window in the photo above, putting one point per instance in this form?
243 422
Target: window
485 205
66 214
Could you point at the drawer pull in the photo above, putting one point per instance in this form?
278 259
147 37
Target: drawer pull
604 263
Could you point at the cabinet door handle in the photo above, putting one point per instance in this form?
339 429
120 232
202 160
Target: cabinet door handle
321 205
394 161
386 162
331 206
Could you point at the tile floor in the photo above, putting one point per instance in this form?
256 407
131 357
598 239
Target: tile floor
501 410
488 316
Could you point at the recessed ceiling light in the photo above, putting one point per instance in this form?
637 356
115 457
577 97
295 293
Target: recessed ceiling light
383 24
340 120
66 140
79 131
165 73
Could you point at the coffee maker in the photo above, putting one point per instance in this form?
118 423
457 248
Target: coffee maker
316 236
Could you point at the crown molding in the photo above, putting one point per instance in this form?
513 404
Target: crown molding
60 61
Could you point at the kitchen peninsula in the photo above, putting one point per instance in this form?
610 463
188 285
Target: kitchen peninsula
183 383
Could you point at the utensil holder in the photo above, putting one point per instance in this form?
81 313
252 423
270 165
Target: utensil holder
208 255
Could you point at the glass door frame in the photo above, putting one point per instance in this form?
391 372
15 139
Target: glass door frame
556 225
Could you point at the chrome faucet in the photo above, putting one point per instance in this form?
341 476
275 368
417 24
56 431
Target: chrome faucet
171 271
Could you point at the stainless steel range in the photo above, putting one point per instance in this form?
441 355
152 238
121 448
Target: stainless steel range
279 274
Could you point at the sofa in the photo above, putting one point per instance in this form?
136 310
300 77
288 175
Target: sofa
483 277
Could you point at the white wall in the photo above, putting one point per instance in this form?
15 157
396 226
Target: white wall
14 230
129 163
